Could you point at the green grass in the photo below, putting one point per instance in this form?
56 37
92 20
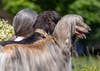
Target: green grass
86 64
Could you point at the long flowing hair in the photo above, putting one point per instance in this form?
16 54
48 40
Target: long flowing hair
47 21
23 22
46 54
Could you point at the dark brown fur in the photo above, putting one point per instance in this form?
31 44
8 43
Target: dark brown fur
47 21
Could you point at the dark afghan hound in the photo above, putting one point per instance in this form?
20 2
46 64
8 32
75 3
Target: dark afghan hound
46 54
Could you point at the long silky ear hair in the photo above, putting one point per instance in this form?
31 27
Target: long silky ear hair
47 21
65 29
23 22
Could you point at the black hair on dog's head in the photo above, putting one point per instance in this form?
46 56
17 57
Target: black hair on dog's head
47 21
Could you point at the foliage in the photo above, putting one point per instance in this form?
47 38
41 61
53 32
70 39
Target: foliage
13 6
89 9
86 64
6 30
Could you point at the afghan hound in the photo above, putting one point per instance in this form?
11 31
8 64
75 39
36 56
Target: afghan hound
67 27
51 53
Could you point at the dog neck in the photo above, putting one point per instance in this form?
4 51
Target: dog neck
42 32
